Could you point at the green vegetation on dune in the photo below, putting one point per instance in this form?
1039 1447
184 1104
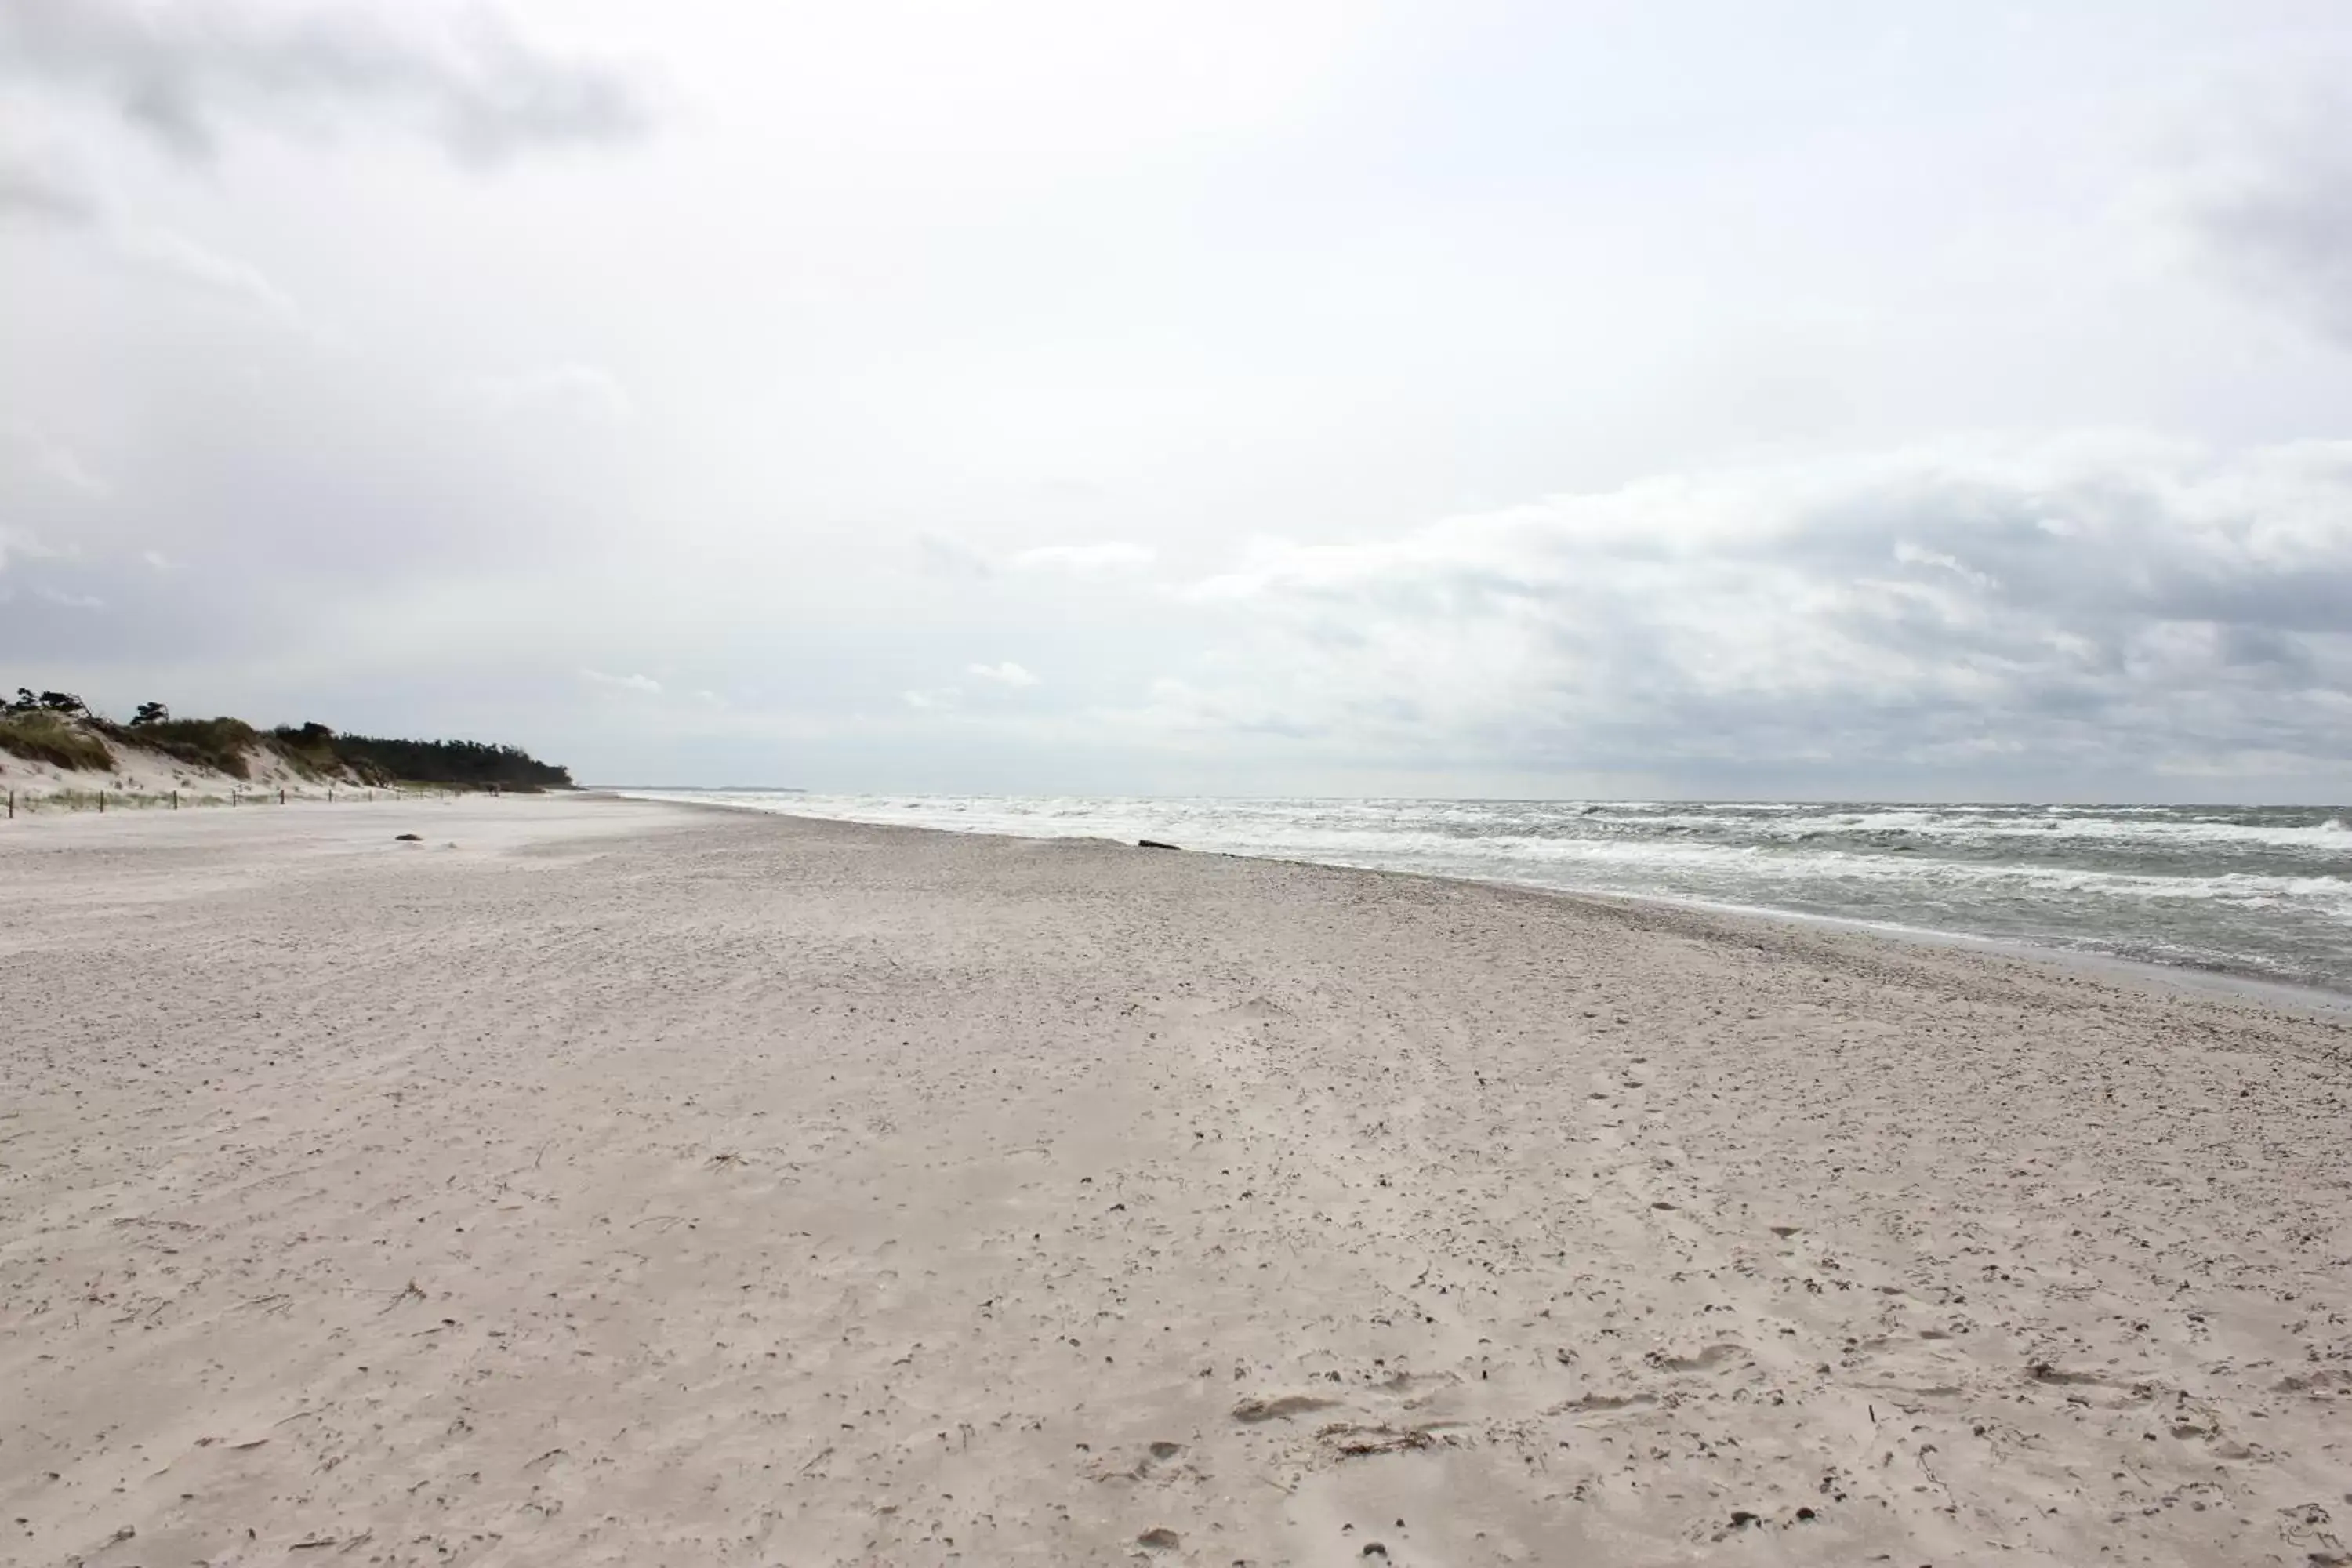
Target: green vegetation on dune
222 744
310 749
44 737
58 729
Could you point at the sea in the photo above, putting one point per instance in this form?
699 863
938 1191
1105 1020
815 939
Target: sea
2257 892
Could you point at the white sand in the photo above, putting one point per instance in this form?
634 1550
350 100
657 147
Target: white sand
634 1186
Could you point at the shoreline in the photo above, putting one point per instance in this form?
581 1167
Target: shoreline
2197 979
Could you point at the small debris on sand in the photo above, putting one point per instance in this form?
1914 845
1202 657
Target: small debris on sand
1351 1441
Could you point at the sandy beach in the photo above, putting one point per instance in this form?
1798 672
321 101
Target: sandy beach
598 1182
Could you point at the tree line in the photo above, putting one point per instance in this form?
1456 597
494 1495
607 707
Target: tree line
468 763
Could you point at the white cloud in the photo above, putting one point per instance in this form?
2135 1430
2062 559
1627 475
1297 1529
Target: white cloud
1005 674
158 560
640 683
69 601
42 187
583 391
173 255
944 557
1084 560
20 542
53 462
936 699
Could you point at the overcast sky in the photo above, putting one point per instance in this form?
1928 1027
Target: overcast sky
1754 398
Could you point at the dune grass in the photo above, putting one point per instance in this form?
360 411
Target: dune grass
49 738
222 744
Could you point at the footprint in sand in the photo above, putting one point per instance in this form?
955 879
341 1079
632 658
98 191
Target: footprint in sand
1157 1460
1598 1402
1707 1360
1251 1411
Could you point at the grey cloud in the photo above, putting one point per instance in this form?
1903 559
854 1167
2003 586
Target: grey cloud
462 73
941 556
2115 600
39 189
2272 207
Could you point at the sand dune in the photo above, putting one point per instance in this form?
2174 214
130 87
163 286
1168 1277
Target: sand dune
143 777
602 1183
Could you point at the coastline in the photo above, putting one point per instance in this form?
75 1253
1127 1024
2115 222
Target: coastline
2202 980
604 1182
